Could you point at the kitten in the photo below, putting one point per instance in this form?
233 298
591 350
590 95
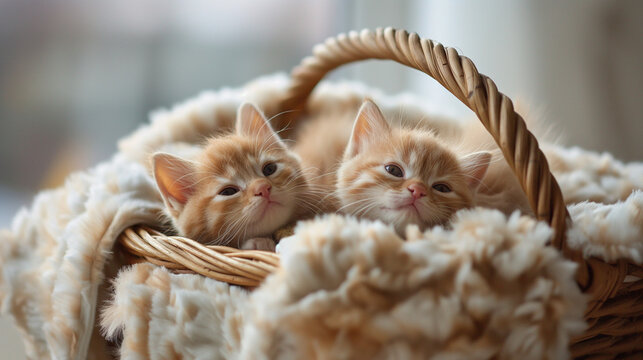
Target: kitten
240 186
405 175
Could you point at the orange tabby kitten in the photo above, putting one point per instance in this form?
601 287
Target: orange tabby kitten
240 186
406 175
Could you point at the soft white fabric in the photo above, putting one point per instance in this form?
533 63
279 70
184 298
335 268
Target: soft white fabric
53 258
609 231
486 287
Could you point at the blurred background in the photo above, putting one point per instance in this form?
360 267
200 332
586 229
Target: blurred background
76 75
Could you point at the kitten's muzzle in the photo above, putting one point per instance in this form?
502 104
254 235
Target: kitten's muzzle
417 190
261 188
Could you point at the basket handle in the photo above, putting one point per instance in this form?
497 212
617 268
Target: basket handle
459 75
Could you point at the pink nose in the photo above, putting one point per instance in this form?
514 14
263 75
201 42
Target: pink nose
263 189
418 190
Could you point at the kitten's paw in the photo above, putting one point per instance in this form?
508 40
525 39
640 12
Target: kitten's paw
260 243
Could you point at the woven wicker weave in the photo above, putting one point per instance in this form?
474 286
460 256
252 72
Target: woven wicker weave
615 313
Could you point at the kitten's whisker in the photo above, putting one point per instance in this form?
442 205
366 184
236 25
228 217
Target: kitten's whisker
353 203
244 237
266 148
228 228
282 113
308 198
311 207
235 228
356 202
329 196
232 235
322 175
311 187
365 208
296 175
190 174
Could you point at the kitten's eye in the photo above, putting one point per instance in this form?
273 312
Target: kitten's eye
444 188
230 190
394 170
269 169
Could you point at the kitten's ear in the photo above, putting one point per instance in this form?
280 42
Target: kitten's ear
475 166
251 122
174 177
369 125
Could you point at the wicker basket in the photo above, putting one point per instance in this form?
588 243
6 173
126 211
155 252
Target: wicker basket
615 312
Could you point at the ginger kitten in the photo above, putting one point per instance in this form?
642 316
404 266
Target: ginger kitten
404 176
239 188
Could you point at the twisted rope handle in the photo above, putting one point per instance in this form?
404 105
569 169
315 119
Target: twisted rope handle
459 75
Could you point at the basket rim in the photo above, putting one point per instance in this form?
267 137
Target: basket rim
181 254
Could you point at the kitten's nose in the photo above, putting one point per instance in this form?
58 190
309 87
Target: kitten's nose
418 190
262 189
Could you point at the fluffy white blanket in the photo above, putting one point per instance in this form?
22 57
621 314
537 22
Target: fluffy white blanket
486 287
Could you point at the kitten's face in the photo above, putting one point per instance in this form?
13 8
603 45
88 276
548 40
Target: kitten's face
404 176
242 186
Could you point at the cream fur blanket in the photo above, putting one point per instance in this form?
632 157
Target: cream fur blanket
485 288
